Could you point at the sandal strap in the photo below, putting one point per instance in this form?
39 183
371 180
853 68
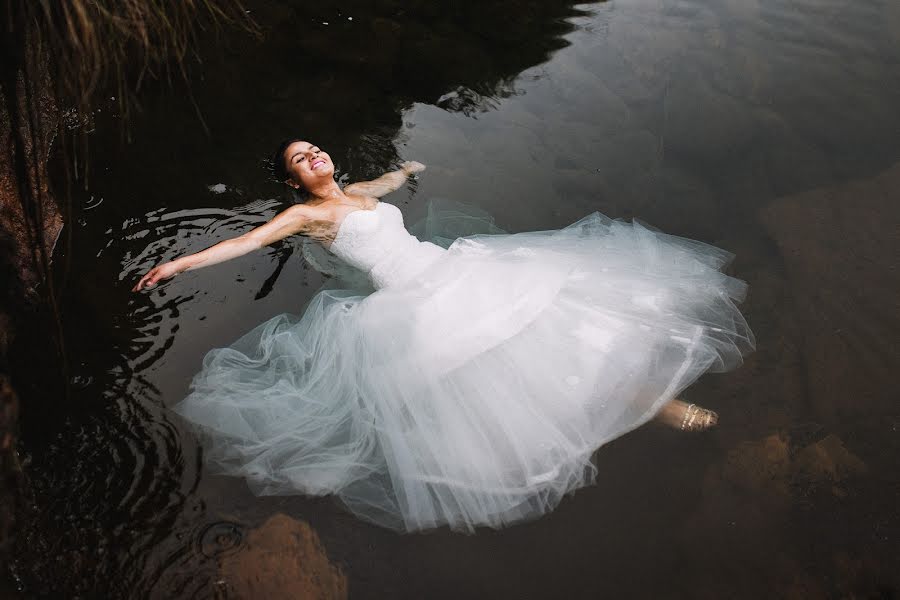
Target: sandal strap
690 413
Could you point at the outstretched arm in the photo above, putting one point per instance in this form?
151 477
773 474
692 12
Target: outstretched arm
385 184
284 224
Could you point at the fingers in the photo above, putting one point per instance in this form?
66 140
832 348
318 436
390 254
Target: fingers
140 284
148 280
413 166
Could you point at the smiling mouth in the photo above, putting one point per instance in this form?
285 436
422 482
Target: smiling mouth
316 164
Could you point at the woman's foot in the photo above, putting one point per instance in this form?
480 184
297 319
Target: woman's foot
687 417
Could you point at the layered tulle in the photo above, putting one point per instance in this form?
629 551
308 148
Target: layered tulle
476 392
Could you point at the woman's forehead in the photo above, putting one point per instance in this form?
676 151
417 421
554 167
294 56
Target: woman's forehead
296 148
299 146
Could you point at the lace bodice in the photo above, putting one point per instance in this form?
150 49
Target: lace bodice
377 243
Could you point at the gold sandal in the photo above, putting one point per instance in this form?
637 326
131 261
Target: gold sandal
697 418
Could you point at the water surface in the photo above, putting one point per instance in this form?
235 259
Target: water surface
765 127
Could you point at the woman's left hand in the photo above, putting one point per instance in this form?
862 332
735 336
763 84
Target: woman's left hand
411 167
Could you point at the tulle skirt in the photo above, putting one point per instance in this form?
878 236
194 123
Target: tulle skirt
475 393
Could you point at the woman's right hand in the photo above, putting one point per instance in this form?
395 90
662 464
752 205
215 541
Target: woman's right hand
159 273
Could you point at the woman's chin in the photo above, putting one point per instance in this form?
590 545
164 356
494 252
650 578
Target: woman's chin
316 176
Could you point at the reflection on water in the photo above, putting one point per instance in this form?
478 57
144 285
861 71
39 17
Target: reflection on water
736 122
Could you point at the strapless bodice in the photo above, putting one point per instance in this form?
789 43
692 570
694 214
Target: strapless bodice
377 243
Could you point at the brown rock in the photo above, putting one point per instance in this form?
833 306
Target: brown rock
283 558
839 247
762 467
828 460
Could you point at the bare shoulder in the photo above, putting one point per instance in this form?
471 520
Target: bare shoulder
359 189
299 215
302 218
317 222
297 211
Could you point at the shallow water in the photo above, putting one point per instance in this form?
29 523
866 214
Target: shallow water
766 127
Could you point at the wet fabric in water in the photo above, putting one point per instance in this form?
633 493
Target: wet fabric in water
470 385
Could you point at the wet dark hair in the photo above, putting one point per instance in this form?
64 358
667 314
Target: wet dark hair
278 167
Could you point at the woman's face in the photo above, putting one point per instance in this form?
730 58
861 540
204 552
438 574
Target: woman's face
306 164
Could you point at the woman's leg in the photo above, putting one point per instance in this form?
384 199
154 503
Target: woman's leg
687 417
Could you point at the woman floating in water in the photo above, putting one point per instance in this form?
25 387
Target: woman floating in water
473 386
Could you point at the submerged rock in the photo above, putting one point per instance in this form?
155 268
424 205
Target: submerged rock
761 467
827 460
839 247
283 558
775 472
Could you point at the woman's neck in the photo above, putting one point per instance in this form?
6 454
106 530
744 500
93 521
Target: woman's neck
328 191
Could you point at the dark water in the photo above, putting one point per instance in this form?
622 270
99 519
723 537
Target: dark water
766 127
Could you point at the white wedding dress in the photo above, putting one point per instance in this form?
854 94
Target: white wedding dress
473 385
